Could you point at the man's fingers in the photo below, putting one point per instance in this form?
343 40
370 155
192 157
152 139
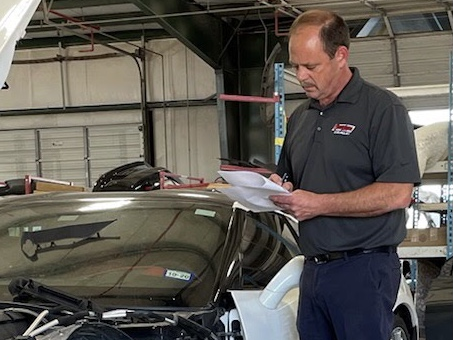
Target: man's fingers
275 178
288 186
280 199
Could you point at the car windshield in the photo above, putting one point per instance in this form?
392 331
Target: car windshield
128 251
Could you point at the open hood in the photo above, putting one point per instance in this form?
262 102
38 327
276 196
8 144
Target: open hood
14 18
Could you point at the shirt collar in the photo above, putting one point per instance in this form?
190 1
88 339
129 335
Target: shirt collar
349 94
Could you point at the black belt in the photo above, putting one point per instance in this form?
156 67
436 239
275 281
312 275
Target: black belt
337 255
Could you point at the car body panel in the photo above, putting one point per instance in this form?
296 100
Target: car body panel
14 18
174 251
135 176
274 308
265 323
405 299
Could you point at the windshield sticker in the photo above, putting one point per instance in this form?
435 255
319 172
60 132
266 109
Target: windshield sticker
14 232
204 212
177 274
17 231
68 217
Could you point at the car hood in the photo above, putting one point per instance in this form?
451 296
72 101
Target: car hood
164 259
14 18
119 249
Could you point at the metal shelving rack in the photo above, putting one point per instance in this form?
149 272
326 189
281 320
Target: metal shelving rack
441 173
279 109
450 166
278 99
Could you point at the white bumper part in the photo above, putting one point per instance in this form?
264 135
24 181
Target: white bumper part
271 313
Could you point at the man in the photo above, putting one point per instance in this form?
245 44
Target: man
350 161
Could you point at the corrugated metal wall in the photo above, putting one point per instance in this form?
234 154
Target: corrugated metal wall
421 59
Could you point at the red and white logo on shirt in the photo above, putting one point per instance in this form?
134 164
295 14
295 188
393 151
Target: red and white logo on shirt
343 129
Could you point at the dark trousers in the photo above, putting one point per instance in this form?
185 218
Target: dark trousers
350 298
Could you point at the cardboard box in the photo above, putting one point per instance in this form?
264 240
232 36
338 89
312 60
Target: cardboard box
46 187
425 237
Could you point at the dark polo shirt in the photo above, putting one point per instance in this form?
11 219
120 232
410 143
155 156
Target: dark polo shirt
364 136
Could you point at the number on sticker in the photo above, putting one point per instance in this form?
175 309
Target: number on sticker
179 275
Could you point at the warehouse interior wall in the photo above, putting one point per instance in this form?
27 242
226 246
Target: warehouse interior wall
95 91
186 137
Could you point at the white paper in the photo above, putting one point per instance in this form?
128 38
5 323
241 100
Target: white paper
251 189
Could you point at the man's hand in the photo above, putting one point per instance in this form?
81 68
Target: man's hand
301 204
280 181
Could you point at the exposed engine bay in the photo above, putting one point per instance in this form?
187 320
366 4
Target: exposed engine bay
59 315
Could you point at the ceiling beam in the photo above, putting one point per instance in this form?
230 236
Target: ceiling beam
74 40
205 34
67 4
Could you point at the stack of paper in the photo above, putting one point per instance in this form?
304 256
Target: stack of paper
251 189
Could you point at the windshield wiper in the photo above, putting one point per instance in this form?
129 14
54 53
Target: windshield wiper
28 289
88 232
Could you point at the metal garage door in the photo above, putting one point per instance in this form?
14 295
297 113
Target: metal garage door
111 146
17 154
82 154
62 153
73 154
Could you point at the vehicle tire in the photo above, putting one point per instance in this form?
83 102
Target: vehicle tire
399 331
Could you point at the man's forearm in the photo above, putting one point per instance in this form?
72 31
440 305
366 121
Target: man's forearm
375 199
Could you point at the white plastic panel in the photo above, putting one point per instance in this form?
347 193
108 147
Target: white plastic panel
259 322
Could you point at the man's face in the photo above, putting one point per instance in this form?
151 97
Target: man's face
315 70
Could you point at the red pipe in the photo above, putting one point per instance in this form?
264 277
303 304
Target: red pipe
163 175
74 20
83 26
277 33
228 167
250 99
